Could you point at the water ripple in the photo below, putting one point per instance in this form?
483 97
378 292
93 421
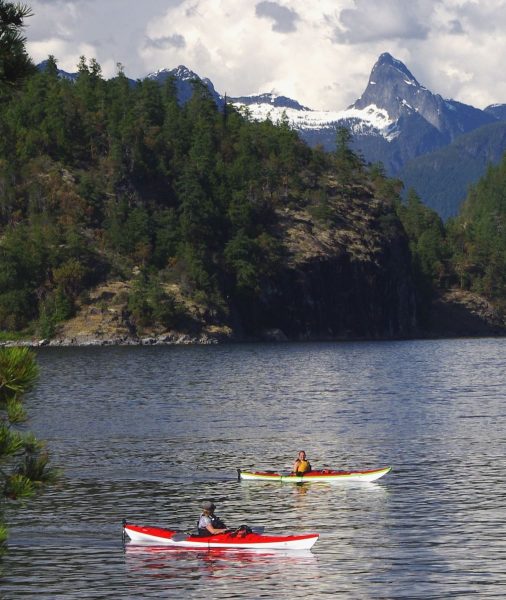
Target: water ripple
148 433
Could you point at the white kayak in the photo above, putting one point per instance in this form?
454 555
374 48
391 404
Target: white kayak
322 476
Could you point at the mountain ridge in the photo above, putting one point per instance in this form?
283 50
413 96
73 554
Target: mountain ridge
395 121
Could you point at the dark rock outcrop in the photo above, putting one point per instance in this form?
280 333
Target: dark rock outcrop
348 280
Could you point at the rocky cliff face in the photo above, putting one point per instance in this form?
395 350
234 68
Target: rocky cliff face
350 279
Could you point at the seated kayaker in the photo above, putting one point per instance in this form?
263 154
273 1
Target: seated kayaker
301 465
209 523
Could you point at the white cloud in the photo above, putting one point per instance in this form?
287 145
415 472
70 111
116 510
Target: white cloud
319 52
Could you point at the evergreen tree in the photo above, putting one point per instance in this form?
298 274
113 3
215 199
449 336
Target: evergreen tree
15 64
427 236
347 162
478 239
23 460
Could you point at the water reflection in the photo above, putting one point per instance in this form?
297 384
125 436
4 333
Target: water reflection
232 564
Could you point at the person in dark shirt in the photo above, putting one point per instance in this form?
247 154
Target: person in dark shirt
209 523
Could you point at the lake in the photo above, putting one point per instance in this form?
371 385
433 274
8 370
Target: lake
147 433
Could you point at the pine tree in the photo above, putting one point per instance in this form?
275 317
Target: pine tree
347 161
15 64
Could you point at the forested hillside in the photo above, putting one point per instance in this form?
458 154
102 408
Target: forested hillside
125 213
196 208
442 178
478 237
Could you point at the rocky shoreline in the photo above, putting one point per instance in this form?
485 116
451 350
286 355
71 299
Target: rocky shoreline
455 314
87 341
276 336
173 338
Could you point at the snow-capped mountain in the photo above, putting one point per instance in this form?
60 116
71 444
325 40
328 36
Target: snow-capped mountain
392 87
395 119
269 100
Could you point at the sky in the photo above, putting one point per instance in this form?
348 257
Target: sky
319 52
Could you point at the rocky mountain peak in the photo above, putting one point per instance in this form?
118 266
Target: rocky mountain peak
394 89
387 65
391 87
181 73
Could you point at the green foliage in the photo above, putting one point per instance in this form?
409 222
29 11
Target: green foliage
36 469
69 277
19 486
15 411
8 336
24 464
18 372
348 163
15 64
428 245
11 442
241 255
55 308
23 257
477 237
3 535
149 303
97 176
427 236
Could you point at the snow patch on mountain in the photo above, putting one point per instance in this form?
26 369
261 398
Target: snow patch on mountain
369 119
182 73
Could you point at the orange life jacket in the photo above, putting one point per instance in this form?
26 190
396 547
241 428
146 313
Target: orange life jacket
303 466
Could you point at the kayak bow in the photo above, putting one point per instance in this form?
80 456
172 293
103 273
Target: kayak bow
324 476
169 537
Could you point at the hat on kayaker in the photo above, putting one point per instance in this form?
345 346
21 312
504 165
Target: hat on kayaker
208 505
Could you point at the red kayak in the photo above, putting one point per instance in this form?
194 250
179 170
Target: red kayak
240 539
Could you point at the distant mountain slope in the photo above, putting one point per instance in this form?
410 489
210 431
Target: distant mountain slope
442 178
183 78
63 74
497 110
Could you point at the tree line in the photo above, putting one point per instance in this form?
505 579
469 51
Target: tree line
101 178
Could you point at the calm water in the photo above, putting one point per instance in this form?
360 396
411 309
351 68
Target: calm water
148 433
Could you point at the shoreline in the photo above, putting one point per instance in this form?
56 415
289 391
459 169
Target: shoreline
183 339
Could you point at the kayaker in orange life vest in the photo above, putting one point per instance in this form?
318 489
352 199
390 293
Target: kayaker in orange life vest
301 465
